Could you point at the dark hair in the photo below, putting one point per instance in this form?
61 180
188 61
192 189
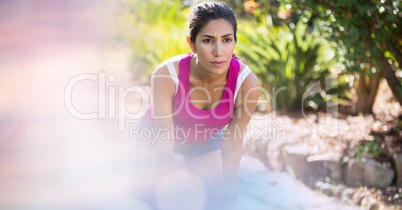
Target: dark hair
204 12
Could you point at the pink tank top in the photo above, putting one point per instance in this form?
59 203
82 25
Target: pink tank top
194 125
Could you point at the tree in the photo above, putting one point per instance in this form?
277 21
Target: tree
287 63
369 33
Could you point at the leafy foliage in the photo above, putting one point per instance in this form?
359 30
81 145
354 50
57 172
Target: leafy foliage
371 149
287 63
154 30
368 32
352 24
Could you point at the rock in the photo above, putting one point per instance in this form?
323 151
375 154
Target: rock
346 194
357 198
377 175
354 173
375 206
325 165
370 203
397 158
368 172
366 201
260 189
325 188
338 189
295 160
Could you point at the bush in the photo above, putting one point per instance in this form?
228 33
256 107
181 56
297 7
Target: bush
154 31
288 62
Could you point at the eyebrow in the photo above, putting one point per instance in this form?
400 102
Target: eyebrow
209 36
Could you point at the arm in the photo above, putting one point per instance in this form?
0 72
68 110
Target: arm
232 144
163 90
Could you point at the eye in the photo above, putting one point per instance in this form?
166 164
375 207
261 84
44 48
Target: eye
227 40
207 40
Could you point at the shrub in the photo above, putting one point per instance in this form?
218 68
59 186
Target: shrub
288 62
154 31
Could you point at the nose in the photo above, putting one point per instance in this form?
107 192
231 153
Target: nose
218 49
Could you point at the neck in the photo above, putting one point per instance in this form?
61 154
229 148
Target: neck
205 76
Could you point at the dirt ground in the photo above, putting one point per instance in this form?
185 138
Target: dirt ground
351 134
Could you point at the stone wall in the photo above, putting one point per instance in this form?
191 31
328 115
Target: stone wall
320 170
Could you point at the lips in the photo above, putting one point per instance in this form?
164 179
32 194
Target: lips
218 63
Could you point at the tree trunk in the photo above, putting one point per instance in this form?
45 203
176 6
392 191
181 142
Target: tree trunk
395 51
391 78
389 74
366 92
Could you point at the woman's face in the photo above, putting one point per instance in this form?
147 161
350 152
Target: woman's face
214 46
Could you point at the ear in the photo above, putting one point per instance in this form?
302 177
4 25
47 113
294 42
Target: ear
191 44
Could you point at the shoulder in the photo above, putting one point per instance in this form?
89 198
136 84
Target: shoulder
174 59
242 64
162 83
250 87
161 78
162 69
251 81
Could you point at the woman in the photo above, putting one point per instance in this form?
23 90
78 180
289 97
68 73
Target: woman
203 101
